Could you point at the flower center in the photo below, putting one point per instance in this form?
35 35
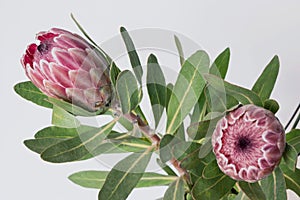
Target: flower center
243 143
43 48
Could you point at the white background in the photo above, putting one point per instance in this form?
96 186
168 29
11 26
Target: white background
254 31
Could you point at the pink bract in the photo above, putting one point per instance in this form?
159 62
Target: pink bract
65 66
248 143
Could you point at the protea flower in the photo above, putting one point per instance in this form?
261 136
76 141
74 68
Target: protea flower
65 66
248 143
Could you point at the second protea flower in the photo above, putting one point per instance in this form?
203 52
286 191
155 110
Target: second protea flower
248 143
65 66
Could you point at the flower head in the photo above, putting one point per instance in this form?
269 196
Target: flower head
65 66
248 143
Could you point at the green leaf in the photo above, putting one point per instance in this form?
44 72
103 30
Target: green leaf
274 185
166 146
291 178
220 65
59 132
252 190
96 179
170 88
212 170
133 56
79 147
166 168
205 148
241 94
39 145
266 81
175 190
199 130
156 86
290 156
62 118
180 132
73 109
218 101
128 91
124 176
130 144
293 138
52 135
31 93
211 189
187 89
271 105
199 109
179 49
188 155
114 72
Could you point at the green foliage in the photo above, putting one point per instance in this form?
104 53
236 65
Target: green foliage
211 189
96 179
265 83
157 89
187 89
252 190
128 91
133 56
241 94
175 190
179 49
274 186
185 155
77 148
221 63
124 176
31 93
62 118
290 157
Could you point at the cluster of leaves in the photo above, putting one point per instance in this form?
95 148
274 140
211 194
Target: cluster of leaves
201 94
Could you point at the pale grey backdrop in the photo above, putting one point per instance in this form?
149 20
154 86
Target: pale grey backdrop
254 31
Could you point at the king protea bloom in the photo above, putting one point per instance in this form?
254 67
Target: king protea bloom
65 66
248 143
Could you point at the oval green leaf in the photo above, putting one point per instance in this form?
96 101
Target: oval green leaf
241 94
252 190
291 178
274 185
220 65
77 148
31 93
156 86
293 138
128 91
133 56
265 83
96 179
175 190
211 189
271 105
124 176
290 156
187 89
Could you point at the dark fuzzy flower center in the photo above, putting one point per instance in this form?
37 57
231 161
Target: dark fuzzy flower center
43 48
243 143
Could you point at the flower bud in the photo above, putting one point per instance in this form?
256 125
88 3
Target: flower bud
65 66
248 143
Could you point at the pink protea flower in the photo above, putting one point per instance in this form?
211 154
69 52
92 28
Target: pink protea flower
64 65
248 143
